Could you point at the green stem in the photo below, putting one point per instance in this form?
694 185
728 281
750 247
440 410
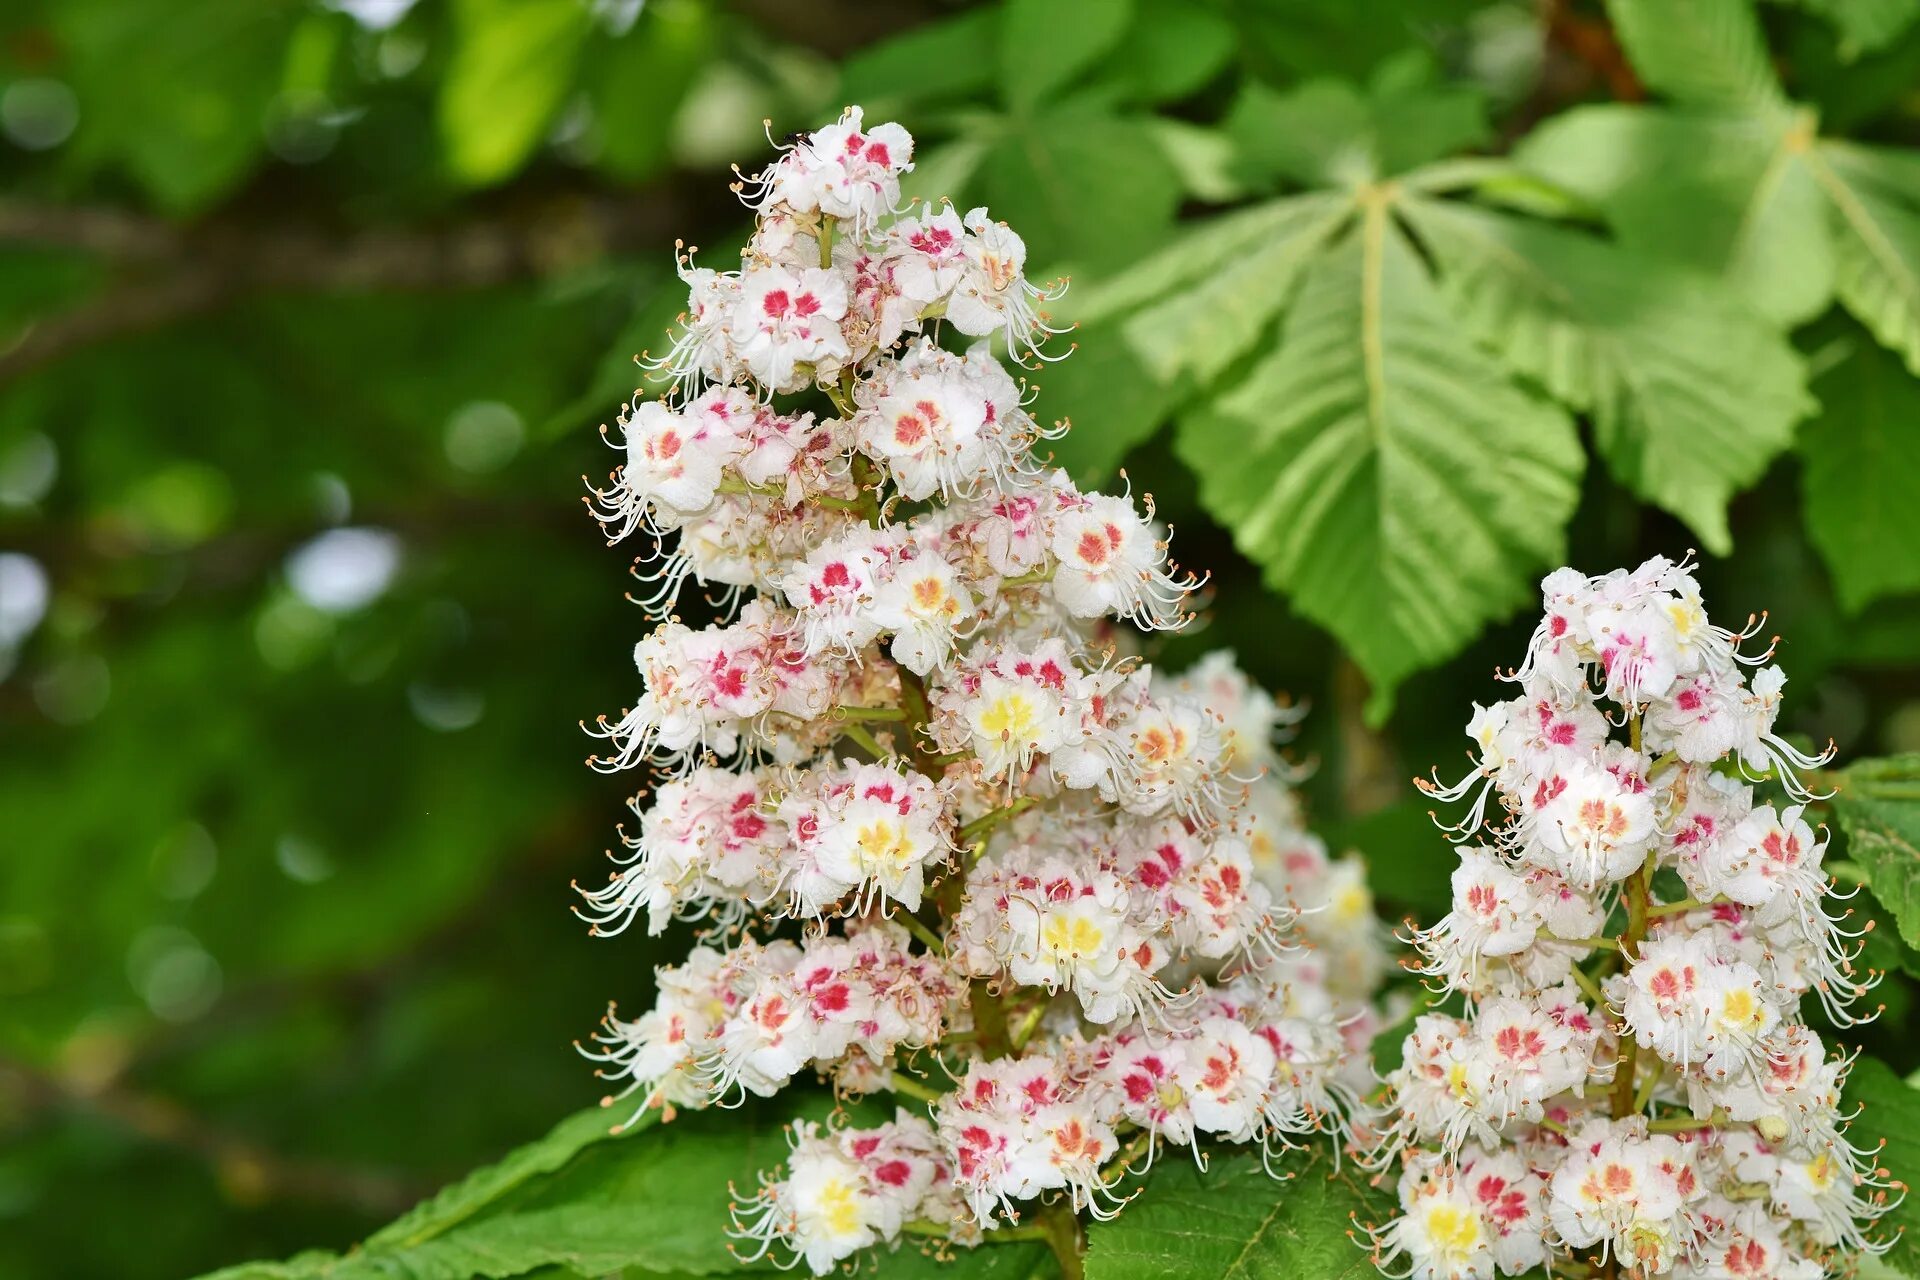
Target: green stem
866 739
1044 574
999 1235
827 227
1677 908
971 833
734 484
920 931
1683 1124
1122 1164
868 713
897 1083
865 474
1028 1025
1062 1230
1636 895
1599 944
1645 1095
989 1019
1637 899
1591 987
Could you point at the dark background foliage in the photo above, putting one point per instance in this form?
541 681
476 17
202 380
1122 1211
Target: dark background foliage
307 314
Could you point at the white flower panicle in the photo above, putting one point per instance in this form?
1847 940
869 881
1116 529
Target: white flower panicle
1630 940
947 840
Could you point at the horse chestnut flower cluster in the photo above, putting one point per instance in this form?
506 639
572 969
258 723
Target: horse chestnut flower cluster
950 840
1633 931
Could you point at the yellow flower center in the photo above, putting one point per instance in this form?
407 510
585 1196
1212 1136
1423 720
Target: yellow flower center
1740 1011
884 844
1070 937
1010 716
1453 1230
1458 1083
838 1208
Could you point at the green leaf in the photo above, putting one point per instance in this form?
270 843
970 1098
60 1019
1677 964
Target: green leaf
1203 157
1865 25
1890 1111
1203 330
1733 195
1329 133
1852 92
1318 134
1706 53
176 90
655 1198
1172 50
1860 475
1305 38
1418 118
1691 396
953 57
944 171
1381 468
1045 44
1876 198
1409 862
462 1200
1235 1222
1106 391
1082 186
1206 249
1878 806
640 82
511 68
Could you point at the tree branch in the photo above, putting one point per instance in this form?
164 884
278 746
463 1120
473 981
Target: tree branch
168 274
249 1169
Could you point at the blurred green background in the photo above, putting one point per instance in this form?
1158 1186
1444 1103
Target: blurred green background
308 314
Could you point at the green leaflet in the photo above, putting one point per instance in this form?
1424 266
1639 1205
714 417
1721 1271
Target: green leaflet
1328 132
649 1202
1172 49
1043 174
1876 202
642 80
1209 248
1864 25
176 90
1235 1222
1108 395
1691 396
1381 468
1790 218
1124 379
953 56
512 68
655 1198
1890 1111
1045 44
1860 473
1729 194
1204 330
1878 805
1704 53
